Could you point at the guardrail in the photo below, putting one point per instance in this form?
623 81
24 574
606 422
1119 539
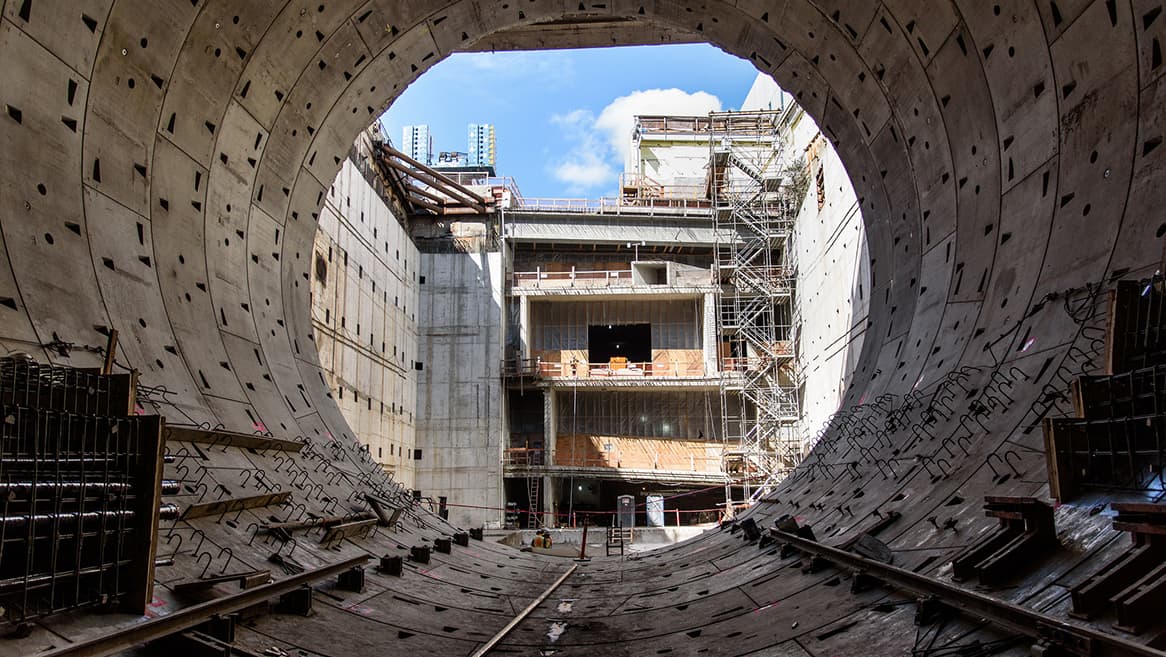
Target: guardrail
782 350
573 278
535 367
598 278
529 457
607 205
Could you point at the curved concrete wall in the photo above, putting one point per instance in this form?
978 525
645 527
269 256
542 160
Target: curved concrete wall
163 165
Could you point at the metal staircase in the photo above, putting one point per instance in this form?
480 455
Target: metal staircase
753 227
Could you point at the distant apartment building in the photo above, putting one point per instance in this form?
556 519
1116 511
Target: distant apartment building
417 143
480 145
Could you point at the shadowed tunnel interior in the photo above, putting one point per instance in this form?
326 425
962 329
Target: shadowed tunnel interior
161 169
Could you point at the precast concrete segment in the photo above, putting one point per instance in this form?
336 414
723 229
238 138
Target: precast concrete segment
163 165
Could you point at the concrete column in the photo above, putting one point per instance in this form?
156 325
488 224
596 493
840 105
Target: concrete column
524 325
550 433
711 339
551 502
550 426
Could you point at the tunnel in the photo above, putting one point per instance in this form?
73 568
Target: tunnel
161 172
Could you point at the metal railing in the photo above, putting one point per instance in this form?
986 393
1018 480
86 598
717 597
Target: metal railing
482 179
579 370
528 457
523 456
598 278
573 278
754 363
613 206
637 188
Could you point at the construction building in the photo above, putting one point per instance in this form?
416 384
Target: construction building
480 145
417 143
656 368
478 158
177 475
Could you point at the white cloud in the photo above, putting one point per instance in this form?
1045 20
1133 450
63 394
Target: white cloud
525 65
617 119
602 143
585 165
584 173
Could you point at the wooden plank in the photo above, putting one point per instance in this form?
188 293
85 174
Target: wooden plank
140 587
1140 507
1139 527
110 353
1061 485
326 521
236 504
229 439
1075 389
345 530
247 580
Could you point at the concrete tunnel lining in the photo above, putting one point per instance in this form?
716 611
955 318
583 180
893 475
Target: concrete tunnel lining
163 165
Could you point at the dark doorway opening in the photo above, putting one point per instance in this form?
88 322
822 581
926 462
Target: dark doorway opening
630 341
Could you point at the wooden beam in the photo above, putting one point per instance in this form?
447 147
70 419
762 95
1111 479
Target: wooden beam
229 439
345 530
148 479
235 504
110 353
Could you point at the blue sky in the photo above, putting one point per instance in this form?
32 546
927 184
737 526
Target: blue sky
562 117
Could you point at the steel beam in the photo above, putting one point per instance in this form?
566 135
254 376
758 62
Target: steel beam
489 645
189 617
1074 639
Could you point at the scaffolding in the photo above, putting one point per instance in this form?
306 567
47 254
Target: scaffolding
754 220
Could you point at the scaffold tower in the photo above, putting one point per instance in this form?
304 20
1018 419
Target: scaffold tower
754 221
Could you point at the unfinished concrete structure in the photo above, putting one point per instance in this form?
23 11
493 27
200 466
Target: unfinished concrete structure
1009 164
613 368
364 311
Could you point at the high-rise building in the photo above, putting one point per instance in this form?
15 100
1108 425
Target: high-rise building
417 143
481 144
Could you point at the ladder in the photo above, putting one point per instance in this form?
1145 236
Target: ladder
617 538
532 496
